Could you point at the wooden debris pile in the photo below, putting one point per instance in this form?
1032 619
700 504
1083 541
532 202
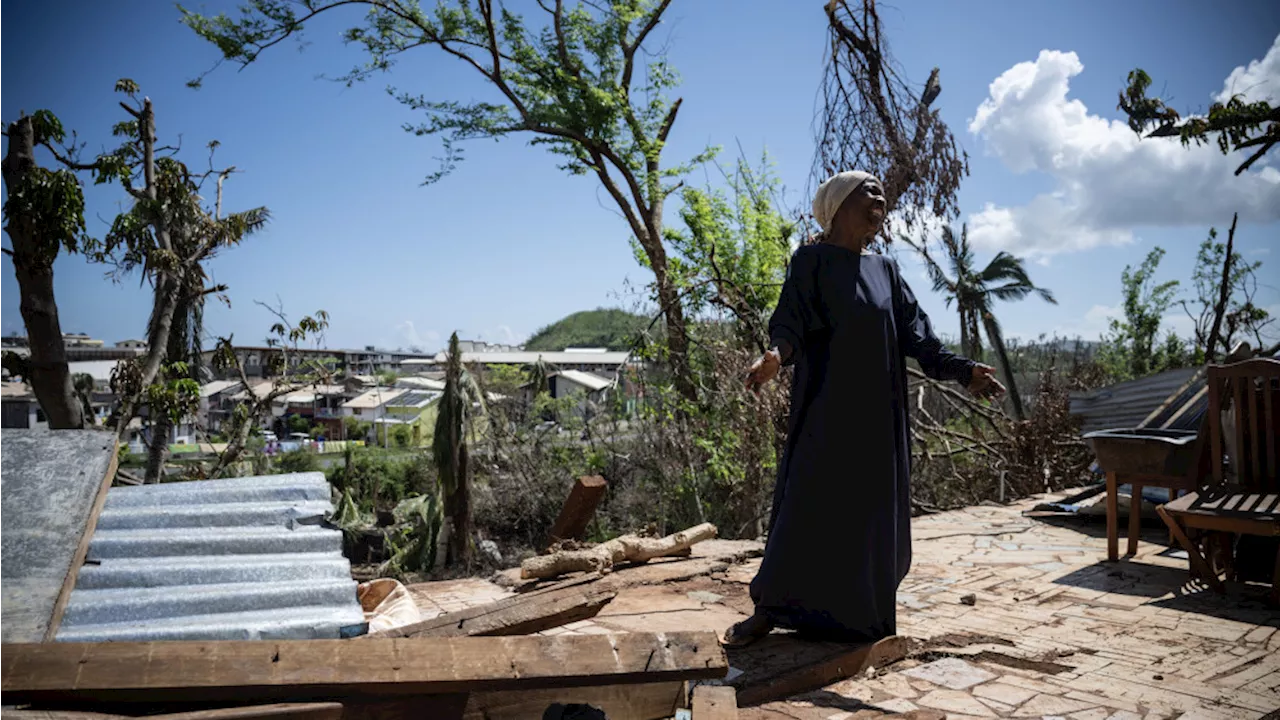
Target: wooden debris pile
502 658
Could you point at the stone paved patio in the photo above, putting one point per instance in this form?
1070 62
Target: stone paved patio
1061 633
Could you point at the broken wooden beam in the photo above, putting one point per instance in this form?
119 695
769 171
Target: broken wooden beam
299 670
579 508
781 665
628 548
649 701
523 614
715 702
281 711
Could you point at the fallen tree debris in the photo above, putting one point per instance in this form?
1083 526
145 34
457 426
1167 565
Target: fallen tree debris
780 665
579 508
522 614
601 558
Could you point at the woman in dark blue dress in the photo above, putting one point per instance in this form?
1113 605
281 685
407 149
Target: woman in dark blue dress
840 534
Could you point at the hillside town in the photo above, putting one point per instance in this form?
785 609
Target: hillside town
379 397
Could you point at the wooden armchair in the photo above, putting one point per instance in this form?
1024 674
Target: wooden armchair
1243 494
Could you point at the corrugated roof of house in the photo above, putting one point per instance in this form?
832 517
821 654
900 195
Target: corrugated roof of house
376 397
595 383
237 559
210 389
528 357
1127 404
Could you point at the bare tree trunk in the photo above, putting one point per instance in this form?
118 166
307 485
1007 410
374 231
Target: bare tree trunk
462 510
997 344
33 257
672 310
1225 292
158 451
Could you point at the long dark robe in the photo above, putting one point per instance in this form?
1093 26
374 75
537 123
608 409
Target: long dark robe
840 534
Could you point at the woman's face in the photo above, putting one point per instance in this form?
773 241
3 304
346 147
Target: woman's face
863 211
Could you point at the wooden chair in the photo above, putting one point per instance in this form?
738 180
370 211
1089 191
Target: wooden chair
1244 496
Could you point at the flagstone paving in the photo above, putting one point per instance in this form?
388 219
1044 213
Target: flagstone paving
1061 632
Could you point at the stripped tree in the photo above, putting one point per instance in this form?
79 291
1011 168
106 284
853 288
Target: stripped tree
975 291
289 369
872 120
451 450
585 85
167 235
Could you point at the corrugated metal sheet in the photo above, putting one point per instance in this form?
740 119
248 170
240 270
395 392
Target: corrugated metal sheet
1127 404
239 559
50 482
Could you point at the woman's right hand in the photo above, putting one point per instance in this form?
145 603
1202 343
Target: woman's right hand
764 369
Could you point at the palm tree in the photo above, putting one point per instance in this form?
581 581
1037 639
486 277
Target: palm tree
974 292
450 449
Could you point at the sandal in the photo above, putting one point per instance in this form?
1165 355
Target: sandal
748 631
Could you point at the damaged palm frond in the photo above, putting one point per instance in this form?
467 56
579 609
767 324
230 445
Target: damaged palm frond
871 119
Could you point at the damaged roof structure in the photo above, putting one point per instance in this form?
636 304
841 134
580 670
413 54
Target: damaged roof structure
238 559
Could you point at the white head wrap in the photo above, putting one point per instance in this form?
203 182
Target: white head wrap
833 192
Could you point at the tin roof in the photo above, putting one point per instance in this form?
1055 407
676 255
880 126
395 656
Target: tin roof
50 481
1127 404
237 559
374 398
595 383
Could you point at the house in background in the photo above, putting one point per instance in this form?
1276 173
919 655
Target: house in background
389 408
415 410
19 408
591 389
216 404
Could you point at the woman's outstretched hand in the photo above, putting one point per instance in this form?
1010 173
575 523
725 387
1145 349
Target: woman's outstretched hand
764 370
984 382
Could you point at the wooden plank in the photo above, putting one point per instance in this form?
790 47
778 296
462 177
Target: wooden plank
280 711
781 665
517 615
1113 517
297 670
715 702
53 481
82 550
579 508
648 701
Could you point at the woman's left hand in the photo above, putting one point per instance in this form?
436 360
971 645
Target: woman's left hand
984 382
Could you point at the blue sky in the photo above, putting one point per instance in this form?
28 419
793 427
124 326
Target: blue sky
508 243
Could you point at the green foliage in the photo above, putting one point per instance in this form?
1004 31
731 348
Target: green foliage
297 461
733 250
1241 316
574 82
387 378
175 395
613 329
298 424
413 540
402 435
373 479
1132 349
356 429
1238 125
51 204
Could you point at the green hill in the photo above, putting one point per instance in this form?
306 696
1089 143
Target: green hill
613 329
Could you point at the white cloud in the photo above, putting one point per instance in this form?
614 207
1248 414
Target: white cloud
1260 80
1107 180
425 341
1091 326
